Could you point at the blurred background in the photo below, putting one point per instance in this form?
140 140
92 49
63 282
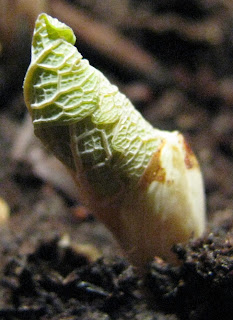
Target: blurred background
172 58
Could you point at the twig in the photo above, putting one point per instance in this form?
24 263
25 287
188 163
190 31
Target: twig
209 30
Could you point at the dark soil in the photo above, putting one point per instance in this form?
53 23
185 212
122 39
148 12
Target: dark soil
49 245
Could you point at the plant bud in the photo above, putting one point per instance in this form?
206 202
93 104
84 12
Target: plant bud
143 183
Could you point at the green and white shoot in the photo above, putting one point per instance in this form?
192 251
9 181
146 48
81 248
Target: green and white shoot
143 183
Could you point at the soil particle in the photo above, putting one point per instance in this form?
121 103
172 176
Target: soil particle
201 288
55 282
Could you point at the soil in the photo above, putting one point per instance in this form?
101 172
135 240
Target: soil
57 261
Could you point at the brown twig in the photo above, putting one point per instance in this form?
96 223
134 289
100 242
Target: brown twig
12 14
209 30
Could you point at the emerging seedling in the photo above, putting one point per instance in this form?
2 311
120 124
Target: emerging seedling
143 183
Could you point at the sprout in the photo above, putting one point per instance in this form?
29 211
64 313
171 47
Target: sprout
143 183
